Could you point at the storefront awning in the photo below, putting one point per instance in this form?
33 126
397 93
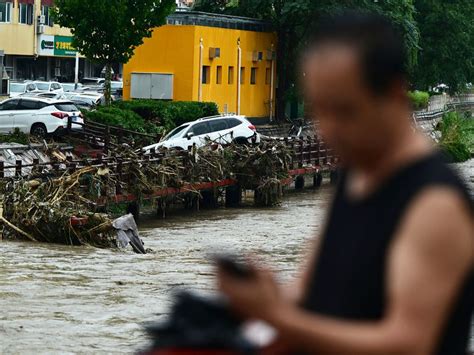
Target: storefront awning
32 2
47 2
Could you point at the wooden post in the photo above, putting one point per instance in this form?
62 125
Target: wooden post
310 150
134 209
69 124
318 152
293 154
107 139
317 180
233 196
118 186
120 136
299 182
18 167
301 160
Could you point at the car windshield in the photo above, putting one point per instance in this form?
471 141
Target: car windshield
66 107
175 132
42 86
14 87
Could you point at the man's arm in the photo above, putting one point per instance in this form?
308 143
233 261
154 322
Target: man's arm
295 291
428 261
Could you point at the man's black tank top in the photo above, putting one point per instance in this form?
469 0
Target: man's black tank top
349 280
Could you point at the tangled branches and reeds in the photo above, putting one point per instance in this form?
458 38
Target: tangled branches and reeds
42 207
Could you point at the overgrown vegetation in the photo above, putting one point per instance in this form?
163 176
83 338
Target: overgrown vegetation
457 136
152 116
419 99
15 137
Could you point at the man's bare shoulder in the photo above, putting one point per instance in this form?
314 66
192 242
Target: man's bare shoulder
439 222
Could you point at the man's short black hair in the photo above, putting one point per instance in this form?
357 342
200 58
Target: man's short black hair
380 45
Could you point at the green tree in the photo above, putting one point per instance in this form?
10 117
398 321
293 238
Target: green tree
108 32
447 44
293 20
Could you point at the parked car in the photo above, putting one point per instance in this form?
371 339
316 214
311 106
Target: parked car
50 86
222 129
92 81
46 95
18 88
116 89
88 98
71 87
38 116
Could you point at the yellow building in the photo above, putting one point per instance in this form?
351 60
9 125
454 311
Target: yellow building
33 47
204 57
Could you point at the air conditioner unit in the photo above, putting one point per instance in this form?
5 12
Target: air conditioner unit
41 19
271 55
214 53
257 56
40 29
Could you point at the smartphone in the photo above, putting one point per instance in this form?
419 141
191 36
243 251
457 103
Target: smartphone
233 265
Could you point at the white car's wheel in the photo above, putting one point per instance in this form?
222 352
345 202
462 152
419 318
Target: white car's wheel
39 130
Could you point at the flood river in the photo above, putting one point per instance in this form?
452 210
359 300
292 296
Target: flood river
57 299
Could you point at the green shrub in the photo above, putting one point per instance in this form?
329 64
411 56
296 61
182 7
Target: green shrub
457 136
169 114
419 99
123 118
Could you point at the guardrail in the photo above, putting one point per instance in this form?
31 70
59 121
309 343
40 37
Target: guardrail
455 103
309 151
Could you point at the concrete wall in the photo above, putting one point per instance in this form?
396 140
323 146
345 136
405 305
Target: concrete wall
20 39
167 51
176 49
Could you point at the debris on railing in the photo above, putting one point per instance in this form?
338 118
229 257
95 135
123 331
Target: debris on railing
59 202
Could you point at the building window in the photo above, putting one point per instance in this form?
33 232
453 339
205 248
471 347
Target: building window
230 78
26 13
253 76
48 19
5 11
219 75
242 75
268 76
206 74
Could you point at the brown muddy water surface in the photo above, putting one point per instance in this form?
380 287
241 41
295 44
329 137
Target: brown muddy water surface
58 299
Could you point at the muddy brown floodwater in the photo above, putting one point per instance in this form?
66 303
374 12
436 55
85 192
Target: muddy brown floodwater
56 299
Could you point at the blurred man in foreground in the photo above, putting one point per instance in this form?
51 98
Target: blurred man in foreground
393 271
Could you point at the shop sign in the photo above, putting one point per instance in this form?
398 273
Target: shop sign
61 46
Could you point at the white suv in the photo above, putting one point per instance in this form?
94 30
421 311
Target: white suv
38 116
223 129
50 86
17 88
